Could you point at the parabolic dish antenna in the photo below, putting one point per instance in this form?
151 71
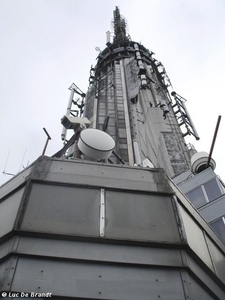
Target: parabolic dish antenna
95 143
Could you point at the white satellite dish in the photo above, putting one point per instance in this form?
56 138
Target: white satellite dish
95 143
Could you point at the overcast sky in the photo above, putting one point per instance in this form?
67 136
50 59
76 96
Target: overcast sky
46 45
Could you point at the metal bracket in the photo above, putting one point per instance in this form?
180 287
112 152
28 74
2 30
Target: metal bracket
102 213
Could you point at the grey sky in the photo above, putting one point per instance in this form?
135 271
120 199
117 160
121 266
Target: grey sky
48 44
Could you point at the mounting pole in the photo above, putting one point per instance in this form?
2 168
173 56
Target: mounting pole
48 138
214 139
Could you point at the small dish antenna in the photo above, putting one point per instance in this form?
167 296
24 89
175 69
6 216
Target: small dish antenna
95 143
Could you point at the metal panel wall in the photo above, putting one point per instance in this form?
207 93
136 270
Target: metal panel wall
136 216
86 280
196 291
143 253
94 251
62 210
196 238
96 174
207 281
217 258
75 211
8 211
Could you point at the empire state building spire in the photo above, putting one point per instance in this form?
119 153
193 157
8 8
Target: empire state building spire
119 27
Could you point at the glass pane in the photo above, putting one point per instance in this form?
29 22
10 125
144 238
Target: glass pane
212 189
219 227
196 197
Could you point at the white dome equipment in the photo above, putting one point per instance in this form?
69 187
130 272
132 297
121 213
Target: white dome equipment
199 162
95 143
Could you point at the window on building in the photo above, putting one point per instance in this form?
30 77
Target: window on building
221 184
212 190
196 197
205 193
219 227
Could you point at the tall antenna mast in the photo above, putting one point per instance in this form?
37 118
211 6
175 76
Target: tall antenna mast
119 27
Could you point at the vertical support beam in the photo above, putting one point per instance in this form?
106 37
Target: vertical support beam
102 213
95 108
126 115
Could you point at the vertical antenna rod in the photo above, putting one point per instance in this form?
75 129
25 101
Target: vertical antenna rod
4 172
214 140
22 159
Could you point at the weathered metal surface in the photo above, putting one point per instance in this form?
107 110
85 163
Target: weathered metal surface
205 279
217 257
193 290
96 174
3 267
14 183
146 233
94 251
9 268
86 280
62 210
8 211
196 238
135 216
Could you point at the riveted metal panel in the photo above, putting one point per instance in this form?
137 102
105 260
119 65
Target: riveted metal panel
217 258
206 279
9 246
141 217
87 280
9 272
3 267
104 175
8 211
62 210
193 290
99 252
196 238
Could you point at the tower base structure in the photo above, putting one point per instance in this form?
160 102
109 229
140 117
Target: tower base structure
88 230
